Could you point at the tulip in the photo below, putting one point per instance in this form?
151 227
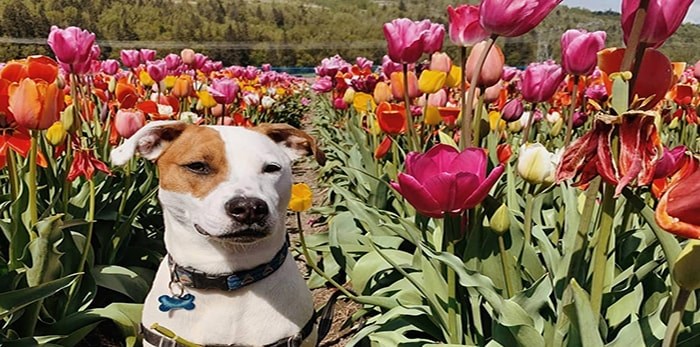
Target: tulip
504 152
85 164
536 165
434 37
128 122
509 73
391 118
331 66
449 114
339 104
540 81
397 85
493 66
322 85
199 61
580 119
382 92
431 81
440 61
597 92
146 79
696 70
579 51
670 162
172 61
444 181
465 29
224 91
147 55
495 122
662 20
677 210
349 96
56 134
512 110
130 58
511 18
71 45
206 99
389 66
35 105
182 87
363 102
492 93
500 221
301 197
685 271
157 70
267 102
110 67
383 148
453 78
408 40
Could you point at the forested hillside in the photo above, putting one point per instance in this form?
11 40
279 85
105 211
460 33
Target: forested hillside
284 33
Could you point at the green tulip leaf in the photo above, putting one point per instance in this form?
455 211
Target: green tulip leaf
15 300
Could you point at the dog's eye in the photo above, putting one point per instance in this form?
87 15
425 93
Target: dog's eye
198 167
272 167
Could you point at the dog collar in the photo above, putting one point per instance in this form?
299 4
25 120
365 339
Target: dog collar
193 278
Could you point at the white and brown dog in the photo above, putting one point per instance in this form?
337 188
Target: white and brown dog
227 279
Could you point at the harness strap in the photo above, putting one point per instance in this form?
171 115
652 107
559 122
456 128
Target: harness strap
160 336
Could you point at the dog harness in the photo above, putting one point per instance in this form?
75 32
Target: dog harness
183 276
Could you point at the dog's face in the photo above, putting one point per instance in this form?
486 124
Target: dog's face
227 184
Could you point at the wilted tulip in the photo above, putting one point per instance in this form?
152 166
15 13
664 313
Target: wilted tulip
512 18
493 65
130 58
465 29
71 45
677 210
536 164
128 122
662 19
444 181
540 81
579 50
670 161
512 110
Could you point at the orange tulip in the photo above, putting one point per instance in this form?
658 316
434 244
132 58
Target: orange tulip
35 105
182 87
397 85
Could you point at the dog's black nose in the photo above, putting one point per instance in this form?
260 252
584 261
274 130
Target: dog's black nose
247 210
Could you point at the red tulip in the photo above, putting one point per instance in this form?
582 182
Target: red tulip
662 20
391 118
71 45
444 181
85 164
540 81
493 65
512 18
677 210
465 29
579 51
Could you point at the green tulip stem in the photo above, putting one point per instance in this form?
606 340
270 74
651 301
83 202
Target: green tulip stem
674 321
530 124
86 247
450 236
600 250
529 204
467 103
477 121
33 208
572 110
505 264
13 178
410 129
125 193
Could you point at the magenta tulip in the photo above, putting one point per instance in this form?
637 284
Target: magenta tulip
330 66
444 181
128 122
224 90
434 38
512 18
130 58
199 60
465 29
579 51
509 73
389 66
323 85
110 67
147 55
406 39
662 20
670 161
71 45
540 81
157 70
173 61
513 110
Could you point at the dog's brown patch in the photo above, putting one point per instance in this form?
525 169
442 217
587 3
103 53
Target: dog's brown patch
195 144
296 139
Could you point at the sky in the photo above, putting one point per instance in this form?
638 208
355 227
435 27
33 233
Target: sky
693 15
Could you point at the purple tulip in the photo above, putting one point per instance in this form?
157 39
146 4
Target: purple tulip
465 29
110 66
580 119
250 73
71 45
266 67
512 18
130 58
540 81
434 38
444 181
597 92
389 66
513 110
363 63
330 66
224 90
579 51
157 70
147 55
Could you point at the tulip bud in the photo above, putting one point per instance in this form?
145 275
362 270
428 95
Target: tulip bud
60 82
512 110
495 121
382 92
685 272
500 221
515 127
112 85
349 96
557 127
535 164
68 118
56 134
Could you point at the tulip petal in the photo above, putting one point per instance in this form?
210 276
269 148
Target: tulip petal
471 160
682 199
417 195
480 194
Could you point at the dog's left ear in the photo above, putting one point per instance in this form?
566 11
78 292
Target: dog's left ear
296 143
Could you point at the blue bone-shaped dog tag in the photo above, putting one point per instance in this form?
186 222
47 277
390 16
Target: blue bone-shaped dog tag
168 303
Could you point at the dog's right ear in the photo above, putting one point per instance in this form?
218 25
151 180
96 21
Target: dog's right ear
150 141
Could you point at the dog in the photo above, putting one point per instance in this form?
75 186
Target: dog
227 279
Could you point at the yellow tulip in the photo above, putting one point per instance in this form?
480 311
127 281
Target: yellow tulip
56 134
349 96
685 272
145 78
431 81
382 92
169 81
206 99
432 116
301 197
495 121
453 78
363 102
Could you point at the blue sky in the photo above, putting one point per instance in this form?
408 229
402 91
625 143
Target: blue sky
602 5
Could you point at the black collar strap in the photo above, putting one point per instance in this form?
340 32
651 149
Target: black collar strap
194 278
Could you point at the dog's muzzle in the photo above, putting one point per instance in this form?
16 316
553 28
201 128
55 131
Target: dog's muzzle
247 211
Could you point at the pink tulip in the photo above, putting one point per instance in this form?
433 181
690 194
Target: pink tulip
363 63
128 122
492 93
493 66
597 92
408 40
71 45
130 58
266 67
330 66
444 181
509 73
465 29
147 55
662 20
512 18
110 67
224 90
438 99
172 61
339 104
389 66
322 85
440 62
157 70
512 111
540 81
187 56
579 51
696 70
434 38
199 60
